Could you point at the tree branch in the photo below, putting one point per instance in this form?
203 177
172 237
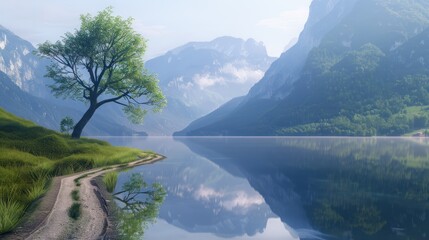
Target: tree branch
112 99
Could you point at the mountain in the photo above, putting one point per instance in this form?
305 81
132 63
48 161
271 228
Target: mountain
24 90
18 61
48 114
199 77
278 80
360 69
196 78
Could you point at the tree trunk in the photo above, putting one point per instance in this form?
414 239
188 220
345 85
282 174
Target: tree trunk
77 130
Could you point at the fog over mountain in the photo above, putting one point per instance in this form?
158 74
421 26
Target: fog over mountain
358 68
199 77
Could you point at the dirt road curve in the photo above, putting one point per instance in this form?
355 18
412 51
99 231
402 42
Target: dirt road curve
93 221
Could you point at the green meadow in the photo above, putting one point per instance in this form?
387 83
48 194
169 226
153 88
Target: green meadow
31 155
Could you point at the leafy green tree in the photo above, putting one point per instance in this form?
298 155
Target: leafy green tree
100 63
66 125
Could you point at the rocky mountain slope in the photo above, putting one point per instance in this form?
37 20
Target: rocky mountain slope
49 114
364 74
199 77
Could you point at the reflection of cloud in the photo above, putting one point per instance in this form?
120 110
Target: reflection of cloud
244 74
243 201
206 193
206 80
234 200
287 20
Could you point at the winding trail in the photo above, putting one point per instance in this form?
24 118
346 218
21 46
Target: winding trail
51 221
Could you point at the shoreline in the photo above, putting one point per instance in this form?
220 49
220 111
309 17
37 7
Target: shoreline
46 210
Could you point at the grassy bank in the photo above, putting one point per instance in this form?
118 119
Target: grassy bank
31 155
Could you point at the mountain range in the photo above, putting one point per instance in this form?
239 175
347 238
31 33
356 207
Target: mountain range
197 78
24 90
358 68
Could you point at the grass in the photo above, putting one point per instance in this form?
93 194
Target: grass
75 211
10 214
31 155
110 180
37 190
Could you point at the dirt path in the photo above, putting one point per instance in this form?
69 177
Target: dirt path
93 221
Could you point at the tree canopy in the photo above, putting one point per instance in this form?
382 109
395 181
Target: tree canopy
102 62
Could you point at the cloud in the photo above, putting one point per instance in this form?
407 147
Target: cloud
206 193
244 74
242 201
287 21
206 80
180 84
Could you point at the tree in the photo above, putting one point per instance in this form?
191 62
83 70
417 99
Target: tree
100 63
66 125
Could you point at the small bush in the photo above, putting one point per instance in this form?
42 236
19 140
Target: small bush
31 155
75 211
66 125
75 195
110 180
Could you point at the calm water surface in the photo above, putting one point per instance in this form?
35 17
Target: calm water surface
288 188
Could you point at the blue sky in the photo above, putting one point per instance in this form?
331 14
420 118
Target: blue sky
165 23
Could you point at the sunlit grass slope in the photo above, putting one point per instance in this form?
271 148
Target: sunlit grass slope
31 155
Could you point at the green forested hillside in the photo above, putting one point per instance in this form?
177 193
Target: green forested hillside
366 92
368 76
31 155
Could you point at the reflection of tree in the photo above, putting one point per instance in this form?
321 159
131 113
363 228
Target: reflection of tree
139 205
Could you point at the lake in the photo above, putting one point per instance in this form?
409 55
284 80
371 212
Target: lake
287 188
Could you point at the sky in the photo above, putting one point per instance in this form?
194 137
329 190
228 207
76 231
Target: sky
165 24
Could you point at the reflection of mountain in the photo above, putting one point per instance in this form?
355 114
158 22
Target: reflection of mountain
273 184
202 198
350 188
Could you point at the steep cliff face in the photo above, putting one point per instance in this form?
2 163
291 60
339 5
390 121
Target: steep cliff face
278 80
18 61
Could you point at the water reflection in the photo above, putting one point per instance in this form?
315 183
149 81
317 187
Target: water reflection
349 188
285 188
138 206
203 200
